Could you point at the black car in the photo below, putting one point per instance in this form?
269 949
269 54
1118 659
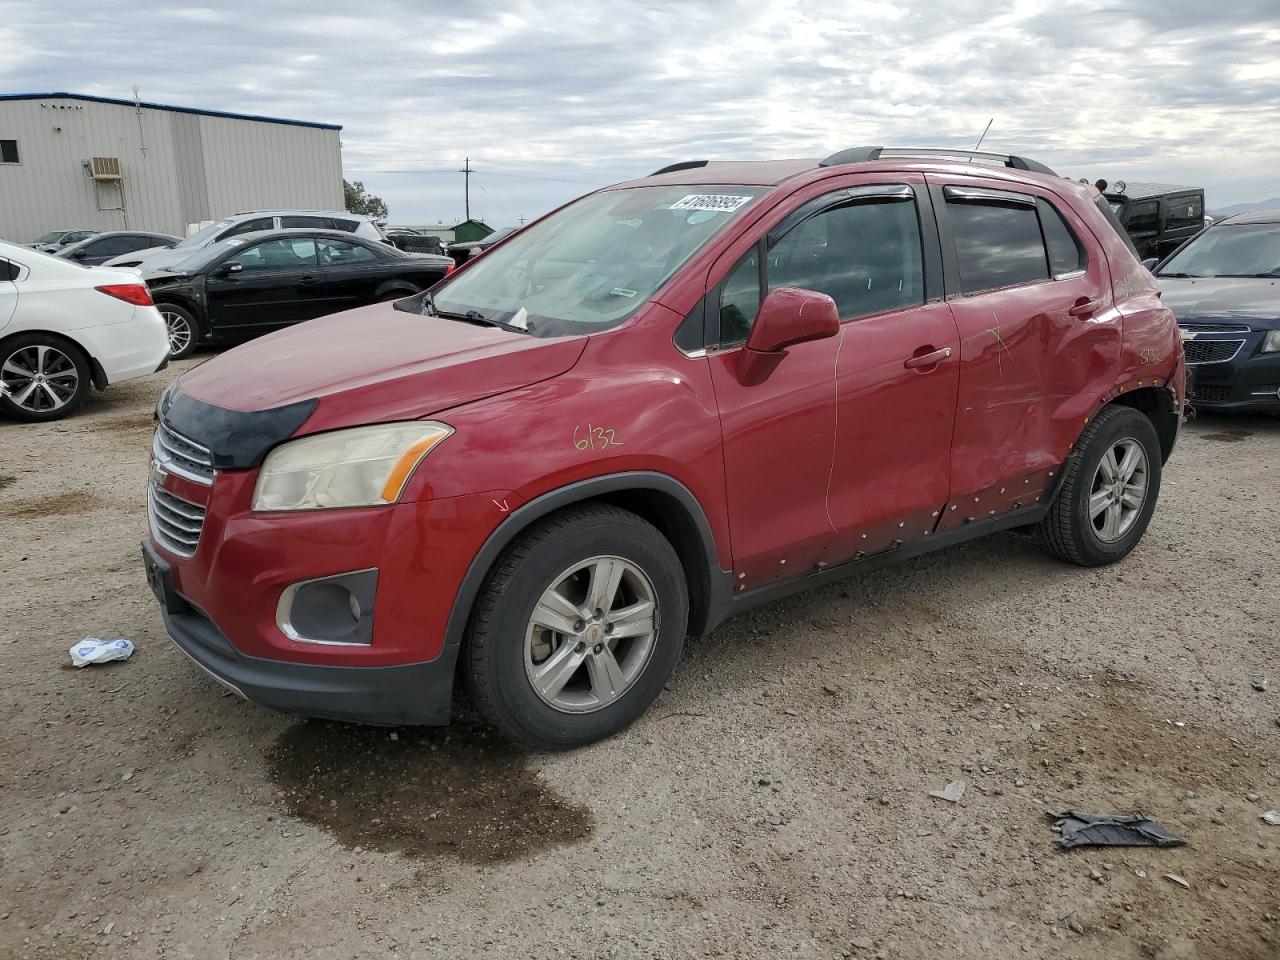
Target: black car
254 283
102 247
464 250
1158 217
1224 288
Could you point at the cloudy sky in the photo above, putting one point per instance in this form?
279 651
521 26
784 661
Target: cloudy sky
552 98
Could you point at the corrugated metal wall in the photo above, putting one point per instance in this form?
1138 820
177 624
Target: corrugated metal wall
178 168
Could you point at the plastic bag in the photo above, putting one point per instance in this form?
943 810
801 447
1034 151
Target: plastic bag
92 650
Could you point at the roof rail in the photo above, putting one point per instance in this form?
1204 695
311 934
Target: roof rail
865 154
682 165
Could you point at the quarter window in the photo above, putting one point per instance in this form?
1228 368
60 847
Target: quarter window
309 223
8 151
8 270
998 244
1066 255
1143 218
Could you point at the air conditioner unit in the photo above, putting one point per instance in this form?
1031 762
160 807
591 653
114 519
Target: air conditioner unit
105 168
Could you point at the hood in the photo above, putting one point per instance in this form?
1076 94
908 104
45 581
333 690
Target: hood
1255 300
155 257
377 363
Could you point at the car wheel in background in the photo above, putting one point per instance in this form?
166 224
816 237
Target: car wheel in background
1108 493
182 328
42 377
578 627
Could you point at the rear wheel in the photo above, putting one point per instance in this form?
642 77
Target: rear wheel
182 328
1108 493
42 377
579 626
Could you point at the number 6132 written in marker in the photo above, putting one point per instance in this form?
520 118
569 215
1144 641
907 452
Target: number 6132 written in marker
595 438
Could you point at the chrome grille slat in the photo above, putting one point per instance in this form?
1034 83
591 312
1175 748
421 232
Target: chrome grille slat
1216 327
1210 351
177 454
175 523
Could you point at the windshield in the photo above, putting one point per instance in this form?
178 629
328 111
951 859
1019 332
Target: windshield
200 260
594 263
53 237
1229 250
203 236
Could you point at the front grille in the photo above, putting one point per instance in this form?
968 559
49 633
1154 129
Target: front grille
1210 351
1216 327
175 523
1211 393
176 454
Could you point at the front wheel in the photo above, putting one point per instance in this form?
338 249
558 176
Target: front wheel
578 627
1108 493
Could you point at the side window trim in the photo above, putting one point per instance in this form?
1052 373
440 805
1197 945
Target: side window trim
893 191
941 194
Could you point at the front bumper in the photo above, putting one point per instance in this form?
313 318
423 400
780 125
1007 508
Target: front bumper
411 693
1249 381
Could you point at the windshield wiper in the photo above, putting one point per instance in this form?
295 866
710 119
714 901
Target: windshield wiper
471 316
1179 276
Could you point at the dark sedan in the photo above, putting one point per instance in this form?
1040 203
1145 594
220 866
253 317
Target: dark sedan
465 250
254 283
102 247
1224 288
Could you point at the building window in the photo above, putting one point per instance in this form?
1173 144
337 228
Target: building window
8 151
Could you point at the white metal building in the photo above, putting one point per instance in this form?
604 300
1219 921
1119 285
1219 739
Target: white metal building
69 161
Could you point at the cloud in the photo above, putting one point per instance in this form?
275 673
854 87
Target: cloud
551 98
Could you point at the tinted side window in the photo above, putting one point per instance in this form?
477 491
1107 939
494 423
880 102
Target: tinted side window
339 251
997 244
740 299
310 223
865 256
1143 217
1184 213
289 253
110 247
1066 254
348 225
249 226
8 271
8 151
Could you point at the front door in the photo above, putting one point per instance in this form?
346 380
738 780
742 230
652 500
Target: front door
1039 335
279 282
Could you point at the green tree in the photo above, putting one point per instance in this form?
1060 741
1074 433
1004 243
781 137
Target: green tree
358 201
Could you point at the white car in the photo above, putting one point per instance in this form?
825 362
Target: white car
65 328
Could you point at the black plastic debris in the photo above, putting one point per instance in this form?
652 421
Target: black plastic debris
1103 830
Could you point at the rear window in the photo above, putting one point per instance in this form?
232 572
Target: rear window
997 244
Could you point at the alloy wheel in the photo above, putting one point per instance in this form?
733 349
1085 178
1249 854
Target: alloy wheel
39 378
591 634
179 329
1119 490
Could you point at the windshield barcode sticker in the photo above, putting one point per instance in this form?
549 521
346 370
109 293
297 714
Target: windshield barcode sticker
721 203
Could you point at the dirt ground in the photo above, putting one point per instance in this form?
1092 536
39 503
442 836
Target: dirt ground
774 803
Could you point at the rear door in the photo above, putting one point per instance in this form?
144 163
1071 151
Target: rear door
352 272
1039 335
279 283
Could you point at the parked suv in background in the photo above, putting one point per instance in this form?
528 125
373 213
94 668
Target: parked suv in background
251 222
660 404
1224 288
1158 217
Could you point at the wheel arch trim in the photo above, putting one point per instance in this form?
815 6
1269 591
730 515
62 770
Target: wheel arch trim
717 583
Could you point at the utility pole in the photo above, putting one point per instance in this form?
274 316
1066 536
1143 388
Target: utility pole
466 170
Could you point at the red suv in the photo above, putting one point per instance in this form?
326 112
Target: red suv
662 403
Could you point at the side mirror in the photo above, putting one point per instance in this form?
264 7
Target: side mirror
787 316
231 266
1150 263
80 254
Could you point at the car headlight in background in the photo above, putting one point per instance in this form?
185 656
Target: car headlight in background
358 467
1272 342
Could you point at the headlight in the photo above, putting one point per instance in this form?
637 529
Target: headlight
1272 343
359 467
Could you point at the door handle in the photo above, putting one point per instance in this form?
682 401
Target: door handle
1084 307
931 359
307 281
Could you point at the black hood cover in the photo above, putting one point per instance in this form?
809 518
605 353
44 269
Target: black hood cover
237 439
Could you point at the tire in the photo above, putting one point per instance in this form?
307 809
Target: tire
507 651
183 328
1073 530
59 381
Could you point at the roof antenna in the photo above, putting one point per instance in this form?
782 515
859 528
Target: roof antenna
984 133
